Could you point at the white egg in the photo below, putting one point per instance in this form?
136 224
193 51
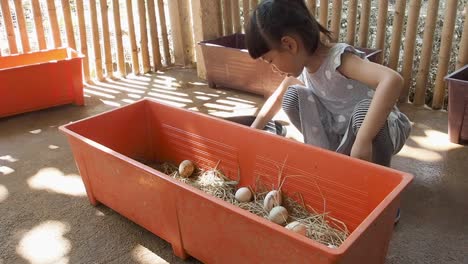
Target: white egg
186 168
278 215
243 195
272 199
297 227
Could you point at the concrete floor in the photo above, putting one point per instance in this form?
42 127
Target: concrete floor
45 216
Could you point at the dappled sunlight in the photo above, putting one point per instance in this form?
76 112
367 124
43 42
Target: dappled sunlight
128 101
207 94
170 97
420 154
110 103
203 98
36 131
165 87
45 243
100 87
6 170
197 83
8 158
145 256
96 93
170 92
53 147
241 100
234 104
135 96
117 86
52 179
3 193
435 140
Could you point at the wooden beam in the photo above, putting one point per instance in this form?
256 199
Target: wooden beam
312 5
9 27
352 17
364 24
227 16
323 13
96 46
236 16
38 23
246 14
381 29
54 23
154 34
463 51
336 19
131 34
22 26
143 36
83 39
397 34
118 38
165 40
67 15
106 38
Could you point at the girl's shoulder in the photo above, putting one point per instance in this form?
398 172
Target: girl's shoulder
335 55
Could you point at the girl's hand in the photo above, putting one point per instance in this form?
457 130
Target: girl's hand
362 150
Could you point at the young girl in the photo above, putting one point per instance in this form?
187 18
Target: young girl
337 99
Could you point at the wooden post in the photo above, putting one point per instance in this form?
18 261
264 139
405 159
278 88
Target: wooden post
246 9
236 16
106 38
54 23
396 34
154 34
312 5
9 27
96 46
219 14
463 51
364 23
68 23
410 39
131 34
253 4
323 13
205 23
143 36
176 29
227 15
381 29
336 19
352 14
426 53
38 22
83 39
22 25
165 40
444 54
118 38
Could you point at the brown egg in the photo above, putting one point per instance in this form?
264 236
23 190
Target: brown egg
186 168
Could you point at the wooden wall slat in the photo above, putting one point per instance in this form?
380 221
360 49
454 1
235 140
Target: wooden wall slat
9 27
83 39
246 14
364 24
336 19
352 17
397 34
463 50
131 34
253 4
38 23
426 53
54 23
151 7
165 40
444 53
144 36
312 5
22 26
97 47
118 38
67 15
227 15
410 40
106 38
323 13
236 16
381 29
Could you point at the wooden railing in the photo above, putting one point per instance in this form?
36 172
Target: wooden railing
119 37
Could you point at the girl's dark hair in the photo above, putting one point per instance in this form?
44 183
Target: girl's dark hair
273 19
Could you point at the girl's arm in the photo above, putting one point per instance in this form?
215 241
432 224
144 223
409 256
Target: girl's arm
388 85
273 103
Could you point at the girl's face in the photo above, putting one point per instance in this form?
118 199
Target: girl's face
287 60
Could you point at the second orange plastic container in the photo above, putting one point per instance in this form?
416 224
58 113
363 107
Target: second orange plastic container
39 80
106 148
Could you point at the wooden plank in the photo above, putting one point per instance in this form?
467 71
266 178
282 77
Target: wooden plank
187 32
246 12
106 38
217 5
22 26
83 39
176 30
227 15
118 38
323 13
154 34
426 53
463 51
381 29
54 23
9 27
336 19
38 23
96 46
312 5
67 15
364 24
143 36
397 34
410 40
253 4
165 40
205 22
352 17
444 53
236 16
131 34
